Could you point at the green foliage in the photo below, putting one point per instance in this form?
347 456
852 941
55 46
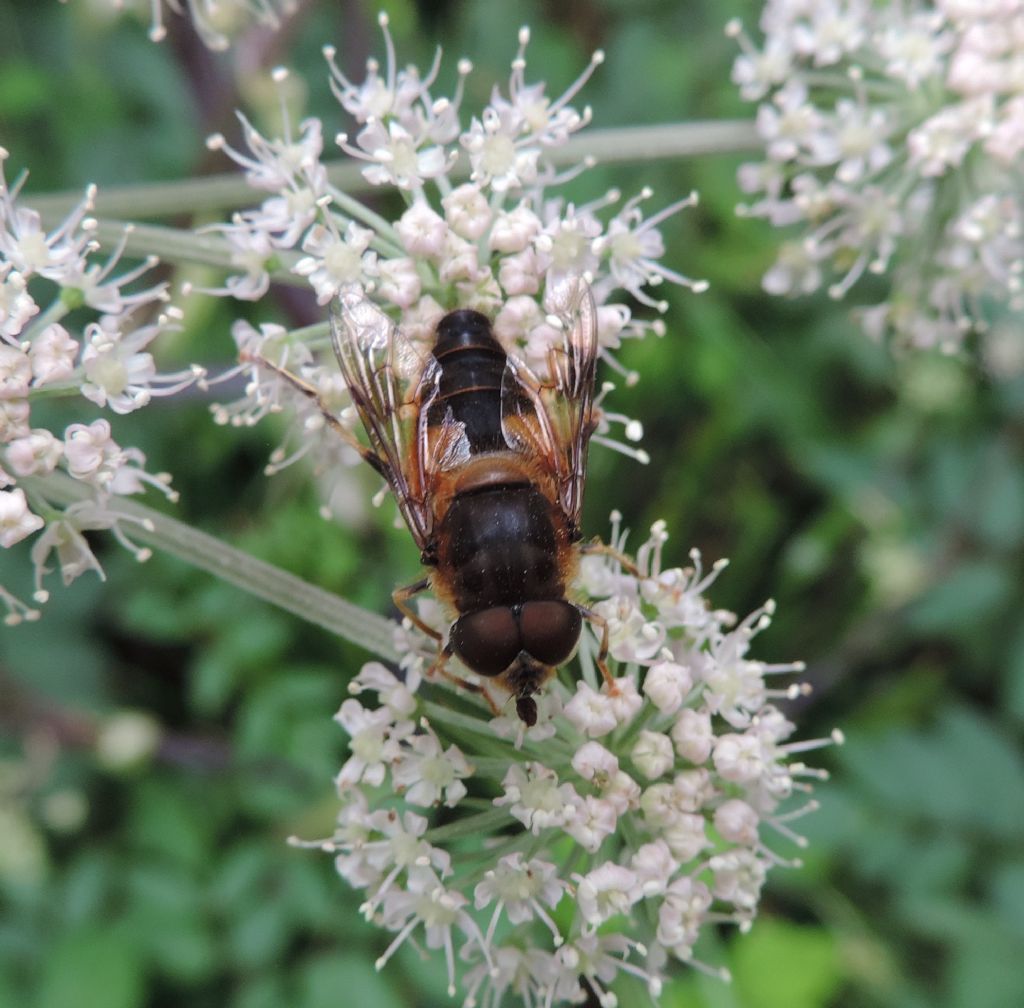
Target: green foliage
109 958
781 965
880 501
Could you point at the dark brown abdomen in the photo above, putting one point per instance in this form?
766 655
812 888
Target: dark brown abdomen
472 364
502 547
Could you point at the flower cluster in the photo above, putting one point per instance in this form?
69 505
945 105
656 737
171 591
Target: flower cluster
492 242
216 22
107 361
893 134
650 805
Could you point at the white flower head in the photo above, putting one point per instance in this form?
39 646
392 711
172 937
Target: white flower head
648 807
46 273
37 452
92 454
521 890
16 520
535 798
374 741
429 773
944 79
495 243
652 753
667 684
16 304
52 353
15 372
608 890
590 711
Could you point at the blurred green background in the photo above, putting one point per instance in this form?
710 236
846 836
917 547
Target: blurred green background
879 500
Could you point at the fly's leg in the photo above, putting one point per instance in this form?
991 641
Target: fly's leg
438 668
401 596
475 688
310 392
598 548
602 653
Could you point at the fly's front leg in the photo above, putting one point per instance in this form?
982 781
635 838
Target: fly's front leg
602 654
401 596
310 392
438 668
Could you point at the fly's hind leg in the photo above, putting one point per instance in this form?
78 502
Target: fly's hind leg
311 393
602 653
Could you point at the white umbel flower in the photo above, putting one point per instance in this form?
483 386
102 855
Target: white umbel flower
16 520
645 805
883 124
494 243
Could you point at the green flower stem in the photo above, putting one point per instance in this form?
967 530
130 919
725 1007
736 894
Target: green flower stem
358 211
182 245
475 825
57 310
203 195
494 766
314 336
257 577
230 190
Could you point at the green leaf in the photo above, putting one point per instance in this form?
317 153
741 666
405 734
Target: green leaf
290 718
164 821
238 876
782 965
333 979
989 772
1000 501
1007 889
165 888
24 89
185 951
964 772
7 992
86 885
262 992
312 890
986 970
258 936
962 603
93 968
1013 677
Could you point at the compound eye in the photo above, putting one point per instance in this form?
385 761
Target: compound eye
550 630
488 640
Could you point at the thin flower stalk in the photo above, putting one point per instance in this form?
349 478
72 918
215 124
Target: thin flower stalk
154 529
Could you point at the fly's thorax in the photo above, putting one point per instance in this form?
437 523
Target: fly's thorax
501 539
501 545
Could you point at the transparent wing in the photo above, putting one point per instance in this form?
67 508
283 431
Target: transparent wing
550 415
392 385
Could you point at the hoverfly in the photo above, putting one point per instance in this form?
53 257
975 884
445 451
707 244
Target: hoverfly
487 462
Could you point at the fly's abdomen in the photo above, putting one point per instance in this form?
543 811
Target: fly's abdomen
472 364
